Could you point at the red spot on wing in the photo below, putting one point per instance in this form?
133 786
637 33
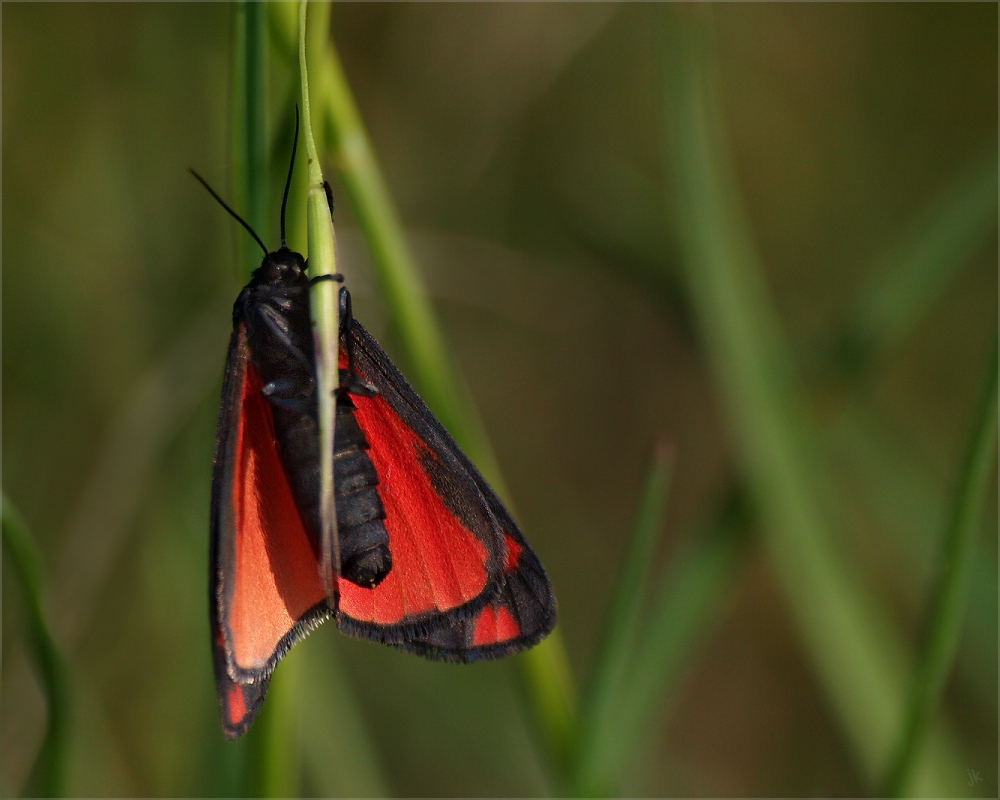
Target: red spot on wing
513 552
495 624
236 707
275 576
437 563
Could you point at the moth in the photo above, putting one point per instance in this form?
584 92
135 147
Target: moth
430 560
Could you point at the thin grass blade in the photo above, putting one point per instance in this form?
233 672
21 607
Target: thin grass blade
271 741
948 605
608 685
433 370
251 146
689 602
339 125
325 314
340 759
48 775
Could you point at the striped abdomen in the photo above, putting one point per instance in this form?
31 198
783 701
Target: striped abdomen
364 541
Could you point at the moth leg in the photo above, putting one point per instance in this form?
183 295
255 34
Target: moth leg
319 278
329 197
279 327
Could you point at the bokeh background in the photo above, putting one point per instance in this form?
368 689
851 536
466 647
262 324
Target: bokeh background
538 159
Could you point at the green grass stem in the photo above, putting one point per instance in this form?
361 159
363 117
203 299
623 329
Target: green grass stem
251 145
48 774
403 285
608 684
271 742
339 127
548 692
949 601
273 745
858 656
325 314
340 758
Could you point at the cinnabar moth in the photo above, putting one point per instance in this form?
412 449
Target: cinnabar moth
430 560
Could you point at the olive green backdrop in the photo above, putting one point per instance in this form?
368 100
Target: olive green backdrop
528 148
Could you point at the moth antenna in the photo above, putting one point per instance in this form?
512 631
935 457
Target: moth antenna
232 213
288 181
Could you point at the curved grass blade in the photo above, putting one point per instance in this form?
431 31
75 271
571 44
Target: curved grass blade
48 775
948 606
339 756
402 283
690 602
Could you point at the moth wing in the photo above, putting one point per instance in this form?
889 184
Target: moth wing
450 537
266 591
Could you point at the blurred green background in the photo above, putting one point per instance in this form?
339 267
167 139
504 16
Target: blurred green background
762 235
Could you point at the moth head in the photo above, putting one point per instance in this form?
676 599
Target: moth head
282 266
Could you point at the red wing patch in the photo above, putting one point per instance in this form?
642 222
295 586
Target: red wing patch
239 703
514 549
438 563
493 625
265 576
276 577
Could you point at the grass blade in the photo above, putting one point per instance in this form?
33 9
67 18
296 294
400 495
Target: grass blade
251 147
271 742
545 673
687 606
325 315
339 755
948 605
399 277
48 775
608 684
858 656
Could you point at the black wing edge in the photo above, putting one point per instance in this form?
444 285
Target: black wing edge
526 595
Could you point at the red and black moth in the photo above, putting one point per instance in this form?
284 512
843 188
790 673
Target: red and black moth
430 560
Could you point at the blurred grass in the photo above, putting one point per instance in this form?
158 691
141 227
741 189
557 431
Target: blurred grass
939 243
947 609
250 141
639 667
48 775
271 746
856 653
484 122
690 604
